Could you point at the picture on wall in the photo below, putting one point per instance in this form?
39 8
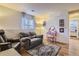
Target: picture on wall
61 30
61 22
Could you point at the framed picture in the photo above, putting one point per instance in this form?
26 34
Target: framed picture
61 22
61 30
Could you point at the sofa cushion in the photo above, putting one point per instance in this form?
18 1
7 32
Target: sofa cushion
22 34
32 33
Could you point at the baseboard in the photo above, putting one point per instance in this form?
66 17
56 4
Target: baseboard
61 42
73 36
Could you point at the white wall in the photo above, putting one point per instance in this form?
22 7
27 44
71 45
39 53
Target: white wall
10 21
54 21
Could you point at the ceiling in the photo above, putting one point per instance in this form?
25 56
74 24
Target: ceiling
42 8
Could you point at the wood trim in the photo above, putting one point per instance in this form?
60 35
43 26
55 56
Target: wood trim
74 11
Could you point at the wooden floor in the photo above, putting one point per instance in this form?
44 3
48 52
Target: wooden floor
74 46
63 51
24 52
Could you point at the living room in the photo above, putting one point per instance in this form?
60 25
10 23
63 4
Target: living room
27 25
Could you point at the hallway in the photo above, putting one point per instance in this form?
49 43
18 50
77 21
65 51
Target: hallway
74 47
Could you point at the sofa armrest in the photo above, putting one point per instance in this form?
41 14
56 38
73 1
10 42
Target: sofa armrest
25 42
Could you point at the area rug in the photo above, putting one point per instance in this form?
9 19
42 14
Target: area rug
44 50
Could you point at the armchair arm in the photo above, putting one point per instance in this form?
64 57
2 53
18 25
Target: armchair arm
7 43
4 46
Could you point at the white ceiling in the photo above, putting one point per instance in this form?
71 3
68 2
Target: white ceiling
42 8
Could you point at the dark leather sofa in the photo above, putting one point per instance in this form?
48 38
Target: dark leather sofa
30 40
6 43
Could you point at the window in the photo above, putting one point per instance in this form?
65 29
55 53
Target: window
27 23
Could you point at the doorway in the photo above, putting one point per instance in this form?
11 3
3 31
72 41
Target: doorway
73 28
73 34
